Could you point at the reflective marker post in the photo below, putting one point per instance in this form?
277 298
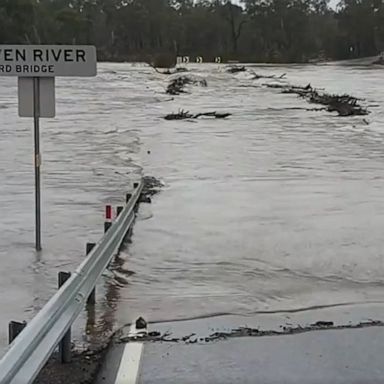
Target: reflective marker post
36 118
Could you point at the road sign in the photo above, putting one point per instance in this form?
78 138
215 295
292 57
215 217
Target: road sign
46 96
36 66
199 59
47 60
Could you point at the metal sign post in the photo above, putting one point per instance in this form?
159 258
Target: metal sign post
36 118
36 67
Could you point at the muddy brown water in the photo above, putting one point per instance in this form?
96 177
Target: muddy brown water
271 209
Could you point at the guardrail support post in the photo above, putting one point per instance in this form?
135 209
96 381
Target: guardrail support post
119 209
107 225
14 329
108 212
128 197
135 185
92 297
65 343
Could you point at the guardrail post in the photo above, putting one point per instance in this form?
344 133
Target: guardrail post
92 297
128 197
65 343
107 225
14 329
135 186
108 212
108 217
119 209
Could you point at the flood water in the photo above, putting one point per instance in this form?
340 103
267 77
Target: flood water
271 209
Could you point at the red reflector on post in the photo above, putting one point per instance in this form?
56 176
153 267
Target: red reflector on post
108 212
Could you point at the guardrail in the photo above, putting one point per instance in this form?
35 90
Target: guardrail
32 348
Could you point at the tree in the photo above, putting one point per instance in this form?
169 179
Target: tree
17 21
259 30
358 21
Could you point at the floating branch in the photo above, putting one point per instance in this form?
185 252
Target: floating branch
344 105
256 76
176 86
182 115
236 69
213 114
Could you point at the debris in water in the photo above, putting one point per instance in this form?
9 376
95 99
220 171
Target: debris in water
141 323
176 85
181 69
145 199
182 115
252 332
187 338
344 105
256 76
151 186
236 69
213 114
323 324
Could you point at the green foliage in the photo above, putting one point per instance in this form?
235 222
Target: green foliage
258 30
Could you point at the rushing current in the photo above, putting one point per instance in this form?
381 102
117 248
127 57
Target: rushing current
271 209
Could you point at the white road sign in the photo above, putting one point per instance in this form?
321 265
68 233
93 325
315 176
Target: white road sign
47 60
36 67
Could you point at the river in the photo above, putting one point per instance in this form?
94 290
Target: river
270 209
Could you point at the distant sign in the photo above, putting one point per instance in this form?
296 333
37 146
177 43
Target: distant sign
47 60
199 59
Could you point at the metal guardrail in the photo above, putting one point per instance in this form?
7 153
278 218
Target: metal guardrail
32 348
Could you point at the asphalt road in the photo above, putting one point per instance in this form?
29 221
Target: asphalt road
188 352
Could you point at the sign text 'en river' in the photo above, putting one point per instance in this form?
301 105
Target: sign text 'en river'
47 60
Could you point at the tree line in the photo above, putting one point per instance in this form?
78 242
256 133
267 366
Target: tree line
254 30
